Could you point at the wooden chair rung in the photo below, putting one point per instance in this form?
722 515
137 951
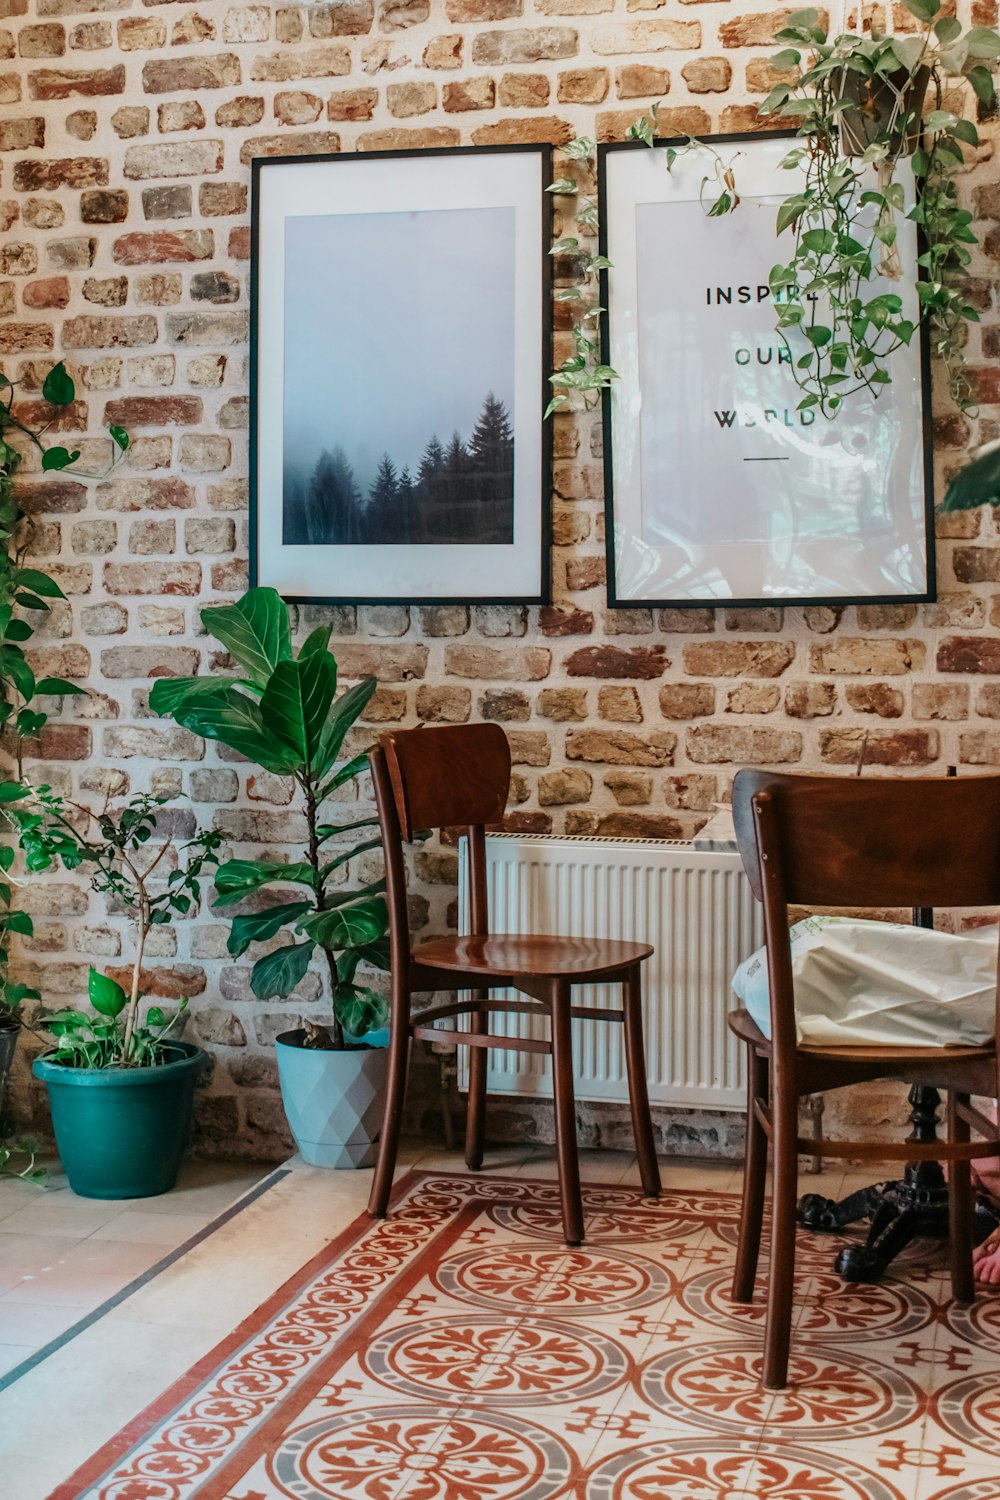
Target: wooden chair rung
479 1007
479 1039
975 1117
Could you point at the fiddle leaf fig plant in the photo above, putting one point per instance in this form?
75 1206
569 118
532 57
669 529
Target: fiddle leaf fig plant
283 713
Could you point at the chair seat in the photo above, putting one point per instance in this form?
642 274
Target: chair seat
747 1029
512 954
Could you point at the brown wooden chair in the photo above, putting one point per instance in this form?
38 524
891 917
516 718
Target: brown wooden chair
818 841
459 777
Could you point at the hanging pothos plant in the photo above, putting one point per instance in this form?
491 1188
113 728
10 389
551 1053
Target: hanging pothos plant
581 375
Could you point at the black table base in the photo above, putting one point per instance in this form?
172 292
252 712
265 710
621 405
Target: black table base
899 1211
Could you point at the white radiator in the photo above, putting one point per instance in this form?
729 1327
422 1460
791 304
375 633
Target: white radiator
695 909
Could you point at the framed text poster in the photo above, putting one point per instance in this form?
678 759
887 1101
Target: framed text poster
718 488
400 349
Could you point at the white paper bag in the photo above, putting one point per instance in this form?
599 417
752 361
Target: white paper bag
881 983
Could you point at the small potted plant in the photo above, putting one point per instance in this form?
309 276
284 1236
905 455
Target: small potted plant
284 714
120 1083
25 594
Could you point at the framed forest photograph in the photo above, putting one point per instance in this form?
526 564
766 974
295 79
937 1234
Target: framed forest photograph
399 353
722 485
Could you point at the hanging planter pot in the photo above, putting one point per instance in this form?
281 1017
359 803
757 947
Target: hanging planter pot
874 108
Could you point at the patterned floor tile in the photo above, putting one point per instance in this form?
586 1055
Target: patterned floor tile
458 1350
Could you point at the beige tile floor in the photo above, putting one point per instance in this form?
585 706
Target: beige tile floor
61 1256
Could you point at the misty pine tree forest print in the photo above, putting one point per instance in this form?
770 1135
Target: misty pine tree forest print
462 492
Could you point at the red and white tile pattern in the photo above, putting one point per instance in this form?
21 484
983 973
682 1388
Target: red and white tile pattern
458 1351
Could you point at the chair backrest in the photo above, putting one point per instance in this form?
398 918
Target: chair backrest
457 776
851 841
847 841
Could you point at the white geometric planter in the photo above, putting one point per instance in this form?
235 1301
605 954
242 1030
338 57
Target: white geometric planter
333 1101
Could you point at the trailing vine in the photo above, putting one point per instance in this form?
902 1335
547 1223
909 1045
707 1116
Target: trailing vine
581 373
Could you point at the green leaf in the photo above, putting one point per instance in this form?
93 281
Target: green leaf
276 975
118 436
364 921
235 719
563 186
59 458
52 687
982 42
947 29
38 582
296 702
342 716
254 630
261 925
241 877
317 640
106 995
58 387
982 83
13 791
360 1010
924 10
168 692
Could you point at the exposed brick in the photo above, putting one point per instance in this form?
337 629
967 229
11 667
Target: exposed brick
129 121
153 578
643 662
216 199
53 292
707 75
174 159
67 83
179 114
144 662
646 36
405 99
523 91
154 411
314 62
399 15
90 36
583 86
718 744
172 202
874 698
738 658
178 74
558 788
687 119
68 171
342 18
621 747
810 700
241 111
108 333
104 206
621 705
444 52
641 81
867 657
758 30
630 788
517 663
473 93
106 291
687 700
141 33
45 40
163 245
22 135
311 143
882 747
82 124
543 43
943 700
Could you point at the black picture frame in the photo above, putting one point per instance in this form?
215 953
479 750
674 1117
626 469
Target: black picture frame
512 565
622 595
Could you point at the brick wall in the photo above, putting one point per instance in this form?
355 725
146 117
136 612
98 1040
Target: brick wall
127 133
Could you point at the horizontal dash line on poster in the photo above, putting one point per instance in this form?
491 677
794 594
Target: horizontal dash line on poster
777 458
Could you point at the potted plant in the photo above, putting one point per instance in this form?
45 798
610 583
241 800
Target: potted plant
120 1085
25 592
858 101
283 713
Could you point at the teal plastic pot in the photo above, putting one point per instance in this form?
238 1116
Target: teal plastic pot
121 1132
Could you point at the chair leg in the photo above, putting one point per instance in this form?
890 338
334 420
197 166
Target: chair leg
475 1114
638 1093
754 1176
960 1206
565 1110
781 1272
392 1118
